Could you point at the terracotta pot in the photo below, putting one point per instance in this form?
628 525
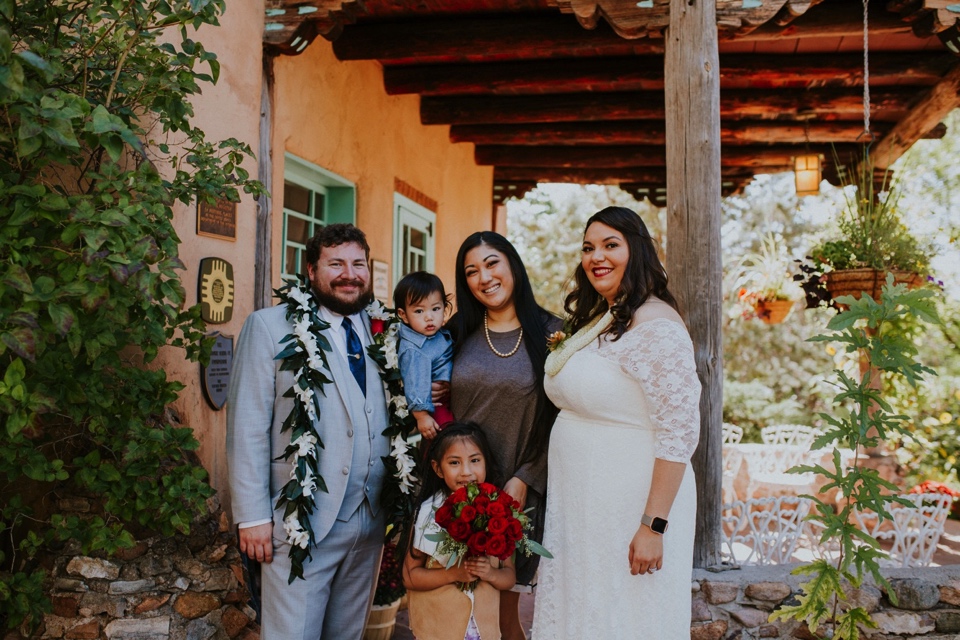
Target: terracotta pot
856 282
773 311
382 619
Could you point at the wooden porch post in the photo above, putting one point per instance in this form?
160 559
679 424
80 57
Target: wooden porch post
692 88
262 276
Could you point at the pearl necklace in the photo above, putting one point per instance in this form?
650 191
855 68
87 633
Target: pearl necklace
486 332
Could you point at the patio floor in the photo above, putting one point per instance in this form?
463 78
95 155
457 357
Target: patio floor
948 552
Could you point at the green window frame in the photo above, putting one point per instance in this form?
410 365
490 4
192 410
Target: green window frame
413 236
312 198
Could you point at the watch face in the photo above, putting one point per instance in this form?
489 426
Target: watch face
659 525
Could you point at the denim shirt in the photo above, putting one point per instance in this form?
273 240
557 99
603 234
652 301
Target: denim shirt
423 359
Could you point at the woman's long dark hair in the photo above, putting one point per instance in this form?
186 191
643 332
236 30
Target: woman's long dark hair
643 277
432 483
533 319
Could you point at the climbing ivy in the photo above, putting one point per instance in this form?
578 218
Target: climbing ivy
96 146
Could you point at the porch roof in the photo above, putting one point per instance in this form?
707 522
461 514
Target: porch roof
550 96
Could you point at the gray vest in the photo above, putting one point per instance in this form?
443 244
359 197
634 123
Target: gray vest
367 471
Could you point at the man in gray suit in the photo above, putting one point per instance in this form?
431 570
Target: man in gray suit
348 525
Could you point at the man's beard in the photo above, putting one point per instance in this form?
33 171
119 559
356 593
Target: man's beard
343 307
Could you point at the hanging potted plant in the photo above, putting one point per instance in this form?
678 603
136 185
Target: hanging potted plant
873 240
764 284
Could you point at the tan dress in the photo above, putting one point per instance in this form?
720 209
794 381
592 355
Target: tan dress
444 613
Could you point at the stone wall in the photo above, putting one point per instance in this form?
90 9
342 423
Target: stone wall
736 604
179 588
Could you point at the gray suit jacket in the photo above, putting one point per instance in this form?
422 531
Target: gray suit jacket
256 410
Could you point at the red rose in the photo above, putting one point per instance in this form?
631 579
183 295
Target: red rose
497 510
480 503
477 545
444 516
468 513
459 530
516 529
460 495
498 525
376 326
505 499
498 548
487 488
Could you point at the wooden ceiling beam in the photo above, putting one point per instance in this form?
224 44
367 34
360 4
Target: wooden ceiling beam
648 176
483 38
645 73
531 36
648 156
653 132
930 110
887 105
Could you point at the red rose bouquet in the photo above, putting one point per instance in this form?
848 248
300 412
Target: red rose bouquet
481 520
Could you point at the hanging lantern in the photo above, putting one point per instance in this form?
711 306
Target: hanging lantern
808 174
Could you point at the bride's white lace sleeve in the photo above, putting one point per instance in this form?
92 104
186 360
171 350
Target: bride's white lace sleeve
658 354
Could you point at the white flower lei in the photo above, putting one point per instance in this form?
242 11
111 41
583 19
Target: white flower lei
304 354
587 334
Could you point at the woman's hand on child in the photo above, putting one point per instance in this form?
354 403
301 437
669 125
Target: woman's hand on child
439 391
479 567
517 489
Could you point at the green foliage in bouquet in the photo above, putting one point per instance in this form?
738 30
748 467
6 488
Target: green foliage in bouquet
864 418
96 145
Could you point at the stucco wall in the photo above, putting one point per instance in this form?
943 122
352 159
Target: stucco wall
231 108
335 115
338 116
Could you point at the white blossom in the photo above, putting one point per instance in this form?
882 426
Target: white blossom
295 533
301 297
405 464
377 311
306 445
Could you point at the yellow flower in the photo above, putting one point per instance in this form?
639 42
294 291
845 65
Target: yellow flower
945 418
831 351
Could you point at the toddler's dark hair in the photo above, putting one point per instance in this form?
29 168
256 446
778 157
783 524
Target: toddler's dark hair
416 286
432 483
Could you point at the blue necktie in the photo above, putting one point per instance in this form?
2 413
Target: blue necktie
355 355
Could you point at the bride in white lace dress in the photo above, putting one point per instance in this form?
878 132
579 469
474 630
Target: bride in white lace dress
621 501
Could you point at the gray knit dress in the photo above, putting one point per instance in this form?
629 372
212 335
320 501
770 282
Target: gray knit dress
500 395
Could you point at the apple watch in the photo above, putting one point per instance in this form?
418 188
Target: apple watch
657 525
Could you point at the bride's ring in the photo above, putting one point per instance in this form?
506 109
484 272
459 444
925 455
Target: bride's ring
651 570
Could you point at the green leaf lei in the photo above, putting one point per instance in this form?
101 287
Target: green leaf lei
304 354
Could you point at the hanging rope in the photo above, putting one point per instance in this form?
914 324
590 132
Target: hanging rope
866 73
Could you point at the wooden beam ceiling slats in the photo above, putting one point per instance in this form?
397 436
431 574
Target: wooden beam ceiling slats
653 132
929 110
645 73
826 104
483 38
615 175
640 155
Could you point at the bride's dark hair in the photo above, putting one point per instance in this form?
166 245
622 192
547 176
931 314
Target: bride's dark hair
643 277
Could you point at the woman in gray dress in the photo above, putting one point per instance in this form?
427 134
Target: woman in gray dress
500 335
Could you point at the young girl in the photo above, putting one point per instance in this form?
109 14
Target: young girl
439 610
425 351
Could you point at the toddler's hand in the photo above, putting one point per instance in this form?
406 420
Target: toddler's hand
426 425
479 567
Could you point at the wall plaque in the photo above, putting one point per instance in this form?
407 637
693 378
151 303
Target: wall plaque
216 375
216 290
217 220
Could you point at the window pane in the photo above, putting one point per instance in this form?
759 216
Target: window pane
318 206
296 198
298 230
290 265
418 239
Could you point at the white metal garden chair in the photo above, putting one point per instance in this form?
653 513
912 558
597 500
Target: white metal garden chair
768 466
798 434
732 434
732 462
913 531
763 531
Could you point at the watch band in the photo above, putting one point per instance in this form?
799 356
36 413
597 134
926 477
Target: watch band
657 525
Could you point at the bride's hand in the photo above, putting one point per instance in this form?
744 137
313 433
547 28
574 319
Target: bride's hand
517 489
646 551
